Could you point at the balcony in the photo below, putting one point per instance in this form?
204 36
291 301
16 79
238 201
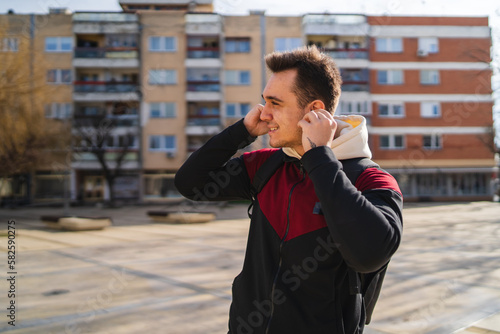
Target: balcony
355 80
346 53
203 125
203 24
85 91
203 57
205 120
114 53
107 23
104 87
115 121
203 86
350 86
335 24
205 96
82 159
203 52
112 57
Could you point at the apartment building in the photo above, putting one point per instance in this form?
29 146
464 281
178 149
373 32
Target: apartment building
165 76
432 104
106 96
38 48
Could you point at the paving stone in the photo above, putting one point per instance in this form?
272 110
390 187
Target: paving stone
140 276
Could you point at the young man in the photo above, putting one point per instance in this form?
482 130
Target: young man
311 227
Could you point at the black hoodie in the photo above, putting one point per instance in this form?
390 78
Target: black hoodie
309 225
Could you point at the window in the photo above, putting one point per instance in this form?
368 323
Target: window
389 45
391 142
237 109
353 107
430 109
9 44
66 76
162 44
237 45
287 44
428 44
237 77
59 76
160 186
470 183
432 142
58 44
391 110
162 77
162 143
162 110
58 110
390 77
429 77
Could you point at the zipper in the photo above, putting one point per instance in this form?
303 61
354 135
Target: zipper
281 247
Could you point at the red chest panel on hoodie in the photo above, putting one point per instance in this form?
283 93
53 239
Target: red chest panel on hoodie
287 195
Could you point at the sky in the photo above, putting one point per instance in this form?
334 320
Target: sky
290 7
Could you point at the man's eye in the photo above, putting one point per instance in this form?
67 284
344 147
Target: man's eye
274 103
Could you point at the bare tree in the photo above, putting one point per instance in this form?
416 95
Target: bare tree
93 135
27 138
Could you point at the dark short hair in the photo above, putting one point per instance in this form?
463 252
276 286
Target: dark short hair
318 77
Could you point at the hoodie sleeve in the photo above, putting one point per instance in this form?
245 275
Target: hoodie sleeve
210 174
366 224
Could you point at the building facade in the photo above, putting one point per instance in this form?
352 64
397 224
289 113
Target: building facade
164 77
432 104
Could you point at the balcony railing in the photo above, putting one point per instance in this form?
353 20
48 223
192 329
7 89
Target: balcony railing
347 53
203 86
334 19
112 120
82 154
105 17
203 52
110 53
353 86
203 18
105 87
205 120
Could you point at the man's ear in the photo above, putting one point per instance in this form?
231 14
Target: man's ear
316 104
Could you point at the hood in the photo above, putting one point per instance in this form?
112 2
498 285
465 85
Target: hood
350 141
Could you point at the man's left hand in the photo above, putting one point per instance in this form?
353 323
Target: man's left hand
318 129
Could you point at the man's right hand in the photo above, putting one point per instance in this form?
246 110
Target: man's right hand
255 126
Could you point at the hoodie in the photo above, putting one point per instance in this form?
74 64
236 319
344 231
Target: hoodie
317 216
351 139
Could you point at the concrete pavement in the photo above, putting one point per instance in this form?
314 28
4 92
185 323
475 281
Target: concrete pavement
139 276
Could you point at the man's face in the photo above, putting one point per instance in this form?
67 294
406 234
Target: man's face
281 111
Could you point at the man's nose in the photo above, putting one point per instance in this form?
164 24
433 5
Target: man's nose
266 115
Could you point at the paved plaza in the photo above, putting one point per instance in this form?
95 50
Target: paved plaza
138 276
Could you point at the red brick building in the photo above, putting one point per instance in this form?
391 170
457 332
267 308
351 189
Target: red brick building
431 102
